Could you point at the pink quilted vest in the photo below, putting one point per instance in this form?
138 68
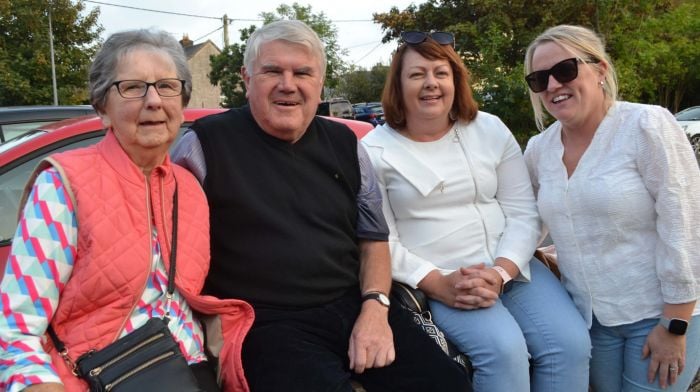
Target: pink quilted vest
114 253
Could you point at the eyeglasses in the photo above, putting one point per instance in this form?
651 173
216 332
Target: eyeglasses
418 37
138 88
563 71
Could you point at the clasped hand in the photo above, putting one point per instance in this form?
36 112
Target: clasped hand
470 288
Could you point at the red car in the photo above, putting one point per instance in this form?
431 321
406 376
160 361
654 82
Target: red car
19 157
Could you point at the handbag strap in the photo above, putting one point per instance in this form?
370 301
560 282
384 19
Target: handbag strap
61 347
173 258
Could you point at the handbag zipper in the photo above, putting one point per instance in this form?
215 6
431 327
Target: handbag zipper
96 371
157 359
410 294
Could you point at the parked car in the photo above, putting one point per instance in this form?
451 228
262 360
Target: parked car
371 114
690 121
336 107
16 120
19 157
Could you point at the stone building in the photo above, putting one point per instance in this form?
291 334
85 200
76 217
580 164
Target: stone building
204 94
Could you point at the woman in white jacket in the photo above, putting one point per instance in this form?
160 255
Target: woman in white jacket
464 226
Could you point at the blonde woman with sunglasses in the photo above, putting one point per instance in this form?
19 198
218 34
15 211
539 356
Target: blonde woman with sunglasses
463 226
618 187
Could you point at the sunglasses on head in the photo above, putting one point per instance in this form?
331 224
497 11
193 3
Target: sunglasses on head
563 71
418 37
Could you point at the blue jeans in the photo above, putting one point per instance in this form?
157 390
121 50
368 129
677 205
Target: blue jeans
536 320
617 363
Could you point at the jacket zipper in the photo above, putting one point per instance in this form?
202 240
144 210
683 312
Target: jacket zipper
476 192
150 256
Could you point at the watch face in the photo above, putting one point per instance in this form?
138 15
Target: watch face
677 327
383 299
380 297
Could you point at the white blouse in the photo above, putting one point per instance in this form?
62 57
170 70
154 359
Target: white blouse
458 201
626 224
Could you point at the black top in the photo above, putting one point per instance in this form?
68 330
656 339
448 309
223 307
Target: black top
283 215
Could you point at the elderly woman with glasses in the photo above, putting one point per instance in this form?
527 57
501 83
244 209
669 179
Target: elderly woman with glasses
464 226
92 252
618 187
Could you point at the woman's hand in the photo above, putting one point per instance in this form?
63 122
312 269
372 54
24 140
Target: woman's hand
667 355
460 290
45 387
481 286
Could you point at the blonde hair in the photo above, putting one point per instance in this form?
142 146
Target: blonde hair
584 43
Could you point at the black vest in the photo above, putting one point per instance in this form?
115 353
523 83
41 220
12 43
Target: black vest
283 216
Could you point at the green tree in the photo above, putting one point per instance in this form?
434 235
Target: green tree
656 59
226 66
492 36
361 85
25 58
225 70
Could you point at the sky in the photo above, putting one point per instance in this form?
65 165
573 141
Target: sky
352 18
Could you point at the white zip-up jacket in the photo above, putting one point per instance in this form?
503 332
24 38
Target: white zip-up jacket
455 202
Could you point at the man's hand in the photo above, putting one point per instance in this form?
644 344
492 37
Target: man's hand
45 387
371 342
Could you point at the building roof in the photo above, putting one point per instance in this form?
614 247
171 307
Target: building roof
191 49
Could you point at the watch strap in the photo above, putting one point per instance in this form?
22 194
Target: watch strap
675 326
377 296
505 276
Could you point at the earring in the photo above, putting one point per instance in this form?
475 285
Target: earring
452 116
602 83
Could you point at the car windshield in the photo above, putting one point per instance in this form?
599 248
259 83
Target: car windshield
692 114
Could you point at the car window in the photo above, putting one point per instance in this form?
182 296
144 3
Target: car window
10 131
12 182
341 109
689 115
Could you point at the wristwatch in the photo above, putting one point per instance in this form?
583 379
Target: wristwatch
507 279
378 296
675 326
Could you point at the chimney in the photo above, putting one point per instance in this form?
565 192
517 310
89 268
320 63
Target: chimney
186 42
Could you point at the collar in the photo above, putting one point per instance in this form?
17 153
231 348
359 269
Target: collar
117 158
396 154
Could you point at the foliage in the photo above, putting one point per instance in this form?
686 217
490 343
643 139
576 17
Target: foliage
225 70
653 44
662 50
361 85
226 66
25 57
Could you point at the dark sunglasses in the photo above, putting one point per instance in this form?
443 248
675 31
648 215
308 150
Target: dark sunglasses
563 71
418 37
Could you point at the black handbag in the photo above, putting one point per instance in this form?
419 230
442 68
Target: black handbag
147 359
416 302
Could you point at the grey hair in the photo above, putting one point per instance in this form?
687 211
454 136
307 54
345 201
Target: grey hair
104 68
293 31
586 45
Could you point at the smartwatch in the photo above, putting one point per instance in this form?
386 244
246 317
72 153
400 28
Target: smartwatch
674 325
505 276
378 296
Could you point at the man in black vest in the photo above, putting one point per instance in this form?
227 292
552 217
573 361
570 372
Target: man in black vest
297 231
